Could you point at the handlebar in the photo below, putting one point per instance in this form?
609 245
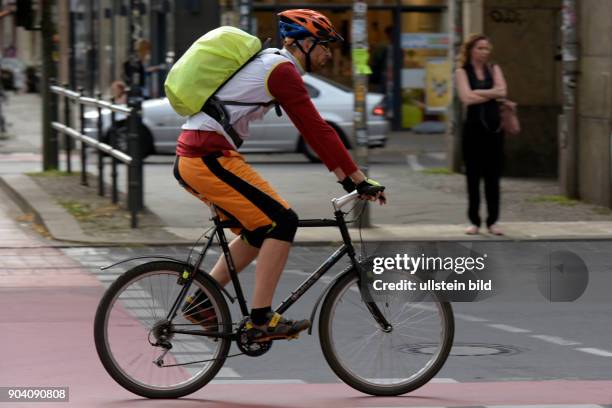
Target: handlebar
340 202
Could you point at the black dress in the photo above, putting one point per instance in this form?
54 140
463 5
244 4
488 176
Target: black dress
482 143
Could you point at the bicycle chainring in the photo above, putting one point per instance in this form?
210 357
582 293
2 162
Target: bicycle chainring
249 347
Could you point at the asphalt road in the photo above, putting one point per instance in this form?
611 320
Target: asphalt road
515 335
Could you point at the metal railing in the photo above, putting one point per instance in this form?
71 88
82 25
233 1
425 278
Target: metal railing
133 158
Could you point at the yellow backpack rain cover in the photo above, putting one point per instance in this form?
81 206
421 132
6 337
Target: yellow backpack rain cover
206 66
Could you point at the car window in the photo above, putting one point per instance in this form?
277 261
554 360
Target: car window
312 91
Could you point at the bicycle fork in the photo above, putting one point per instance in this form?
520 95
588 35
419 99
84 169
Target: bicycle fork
373 308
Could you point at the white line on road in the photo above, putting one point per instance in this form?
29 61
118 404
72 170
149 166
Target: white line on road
507 328
444 381
556 340
469 318
546 406
433 380
258 382
413 162
107 278
597 352
227 372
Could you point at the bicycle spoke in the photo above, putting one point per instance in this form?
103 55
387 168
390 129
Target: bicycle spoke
378 358
135 321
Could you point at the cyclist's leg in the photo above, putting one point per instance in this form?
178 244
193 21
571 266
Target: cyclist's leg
234 187
270 265
242 255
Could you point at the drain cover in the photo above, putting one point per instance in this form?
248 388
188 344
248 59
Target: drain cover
463 349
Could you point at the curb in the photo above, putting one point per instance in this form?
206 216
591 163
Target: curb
61 225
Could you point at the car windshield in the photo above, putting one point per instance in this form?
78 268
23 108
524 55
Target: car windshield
333 83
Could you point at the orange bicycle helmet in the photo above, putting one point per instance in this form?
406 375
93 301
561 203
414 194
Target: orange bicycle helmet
302 23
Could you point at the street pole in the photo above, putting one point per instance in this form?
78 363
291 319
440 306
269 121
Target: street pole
228 13
568 143
136 178
361 70
245 8
454 117
49 100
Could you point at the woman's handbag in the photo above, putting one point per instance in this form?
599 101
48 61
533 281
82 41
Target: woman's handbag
509 119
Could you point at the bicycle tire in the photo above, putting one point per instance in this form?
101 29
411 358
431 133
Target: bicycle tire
364 385
106 354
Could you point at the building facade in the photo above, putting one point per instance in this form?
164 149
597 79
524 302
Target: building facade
410 41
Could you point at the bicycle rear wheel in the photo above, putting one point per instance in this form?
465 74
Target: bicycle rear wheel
130 315
376 362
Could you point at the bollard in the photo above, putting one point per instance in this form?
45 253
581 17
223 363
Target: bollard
100 153
67 139
50 145
135 189
83 146
113 142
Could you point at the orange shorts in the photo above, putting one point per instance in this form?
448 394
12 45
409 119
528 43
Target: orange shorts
233 186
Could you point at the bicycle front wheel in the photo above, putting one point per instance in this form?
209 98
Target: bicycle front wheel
130 319
377 362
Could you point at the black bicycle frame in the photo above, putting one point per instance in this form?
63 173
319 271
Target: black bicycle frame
346 248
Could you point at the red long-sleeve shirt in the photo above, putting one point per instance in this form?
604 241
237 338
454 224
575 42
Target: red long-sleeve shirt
287 87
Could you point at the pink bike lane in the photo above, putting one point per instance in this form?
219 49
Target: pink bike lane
47 307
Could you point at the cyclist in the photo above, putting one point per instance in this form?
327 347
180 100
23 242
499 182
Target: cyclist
209 167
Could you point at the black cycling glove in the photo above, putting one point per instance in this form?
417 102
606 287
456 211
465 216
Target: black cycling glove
366 187
348 185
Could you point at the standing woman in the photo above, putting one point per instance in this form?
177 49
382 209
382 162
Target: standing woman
480 85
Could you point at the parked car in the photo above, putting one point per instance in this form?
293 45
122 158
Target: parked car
161 125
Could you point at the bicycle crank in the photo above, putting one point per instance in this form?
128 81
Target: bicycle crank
248 346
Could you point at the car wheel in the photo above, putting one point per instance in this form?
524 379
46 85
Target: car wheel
309 151
120 132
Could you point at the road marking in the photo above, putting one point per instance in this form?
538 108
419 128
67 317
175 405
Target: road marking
413 162
107 278
227 372
595 351
556 340
470 318
286 381
444 381
507 328
433 380
546 406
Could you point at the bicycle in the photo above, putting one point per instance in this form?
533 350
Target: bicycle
145 343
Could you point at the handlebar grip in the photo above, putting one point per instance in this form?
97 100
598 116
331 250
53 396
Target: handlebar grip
372 190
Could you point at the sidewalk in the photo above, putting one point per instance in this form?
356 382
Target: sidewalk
422 206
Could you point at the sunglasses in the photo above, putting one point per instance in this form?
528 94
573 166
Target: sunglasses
325 44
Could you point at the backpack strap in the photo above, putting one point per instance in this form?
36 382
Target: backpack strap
215 109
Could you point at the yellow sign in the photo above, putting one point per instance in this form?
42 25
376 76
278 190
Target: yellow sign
438 85
360 61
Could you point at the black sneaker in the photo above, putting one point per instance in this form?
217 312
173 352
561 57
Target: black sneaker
277 328
199 310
